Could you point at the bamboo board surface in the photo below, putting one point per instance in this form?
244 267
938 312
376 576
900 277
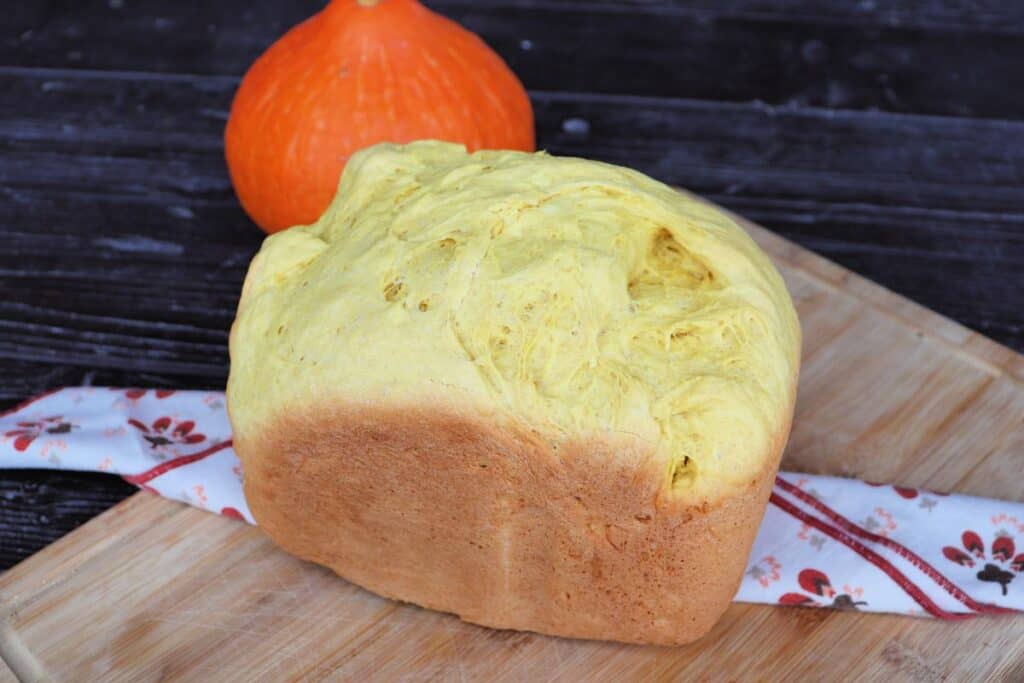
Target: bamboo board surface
889 391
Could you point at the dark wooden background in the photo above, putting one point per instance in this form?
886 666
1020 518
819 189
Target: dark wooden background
887 135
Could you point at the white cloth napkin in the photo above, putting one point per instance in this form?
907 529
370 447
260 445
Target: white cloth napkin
824 542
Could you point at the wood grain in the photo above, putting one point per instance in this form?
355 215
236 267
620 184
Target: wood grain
177 278
879 56
57 501
153 590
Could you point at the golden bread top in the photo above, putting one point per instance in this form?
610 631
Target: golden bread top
575 297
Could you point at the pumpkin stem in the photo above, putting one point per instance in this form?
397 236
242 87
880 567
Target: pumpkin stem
368 3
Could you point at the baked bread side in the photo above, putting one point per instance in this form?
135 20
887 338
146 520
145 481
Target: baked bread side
479 517
539 393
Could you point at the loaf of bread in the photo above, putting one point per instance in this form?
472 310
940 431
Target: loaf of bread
539 393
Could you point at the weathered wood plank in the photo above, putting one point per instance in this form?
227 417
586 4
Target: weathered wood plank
38 507
23 379
738 150
131 206
952 58
992 15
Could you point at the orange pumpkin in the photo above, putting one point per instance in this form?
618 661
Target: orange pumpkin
358 73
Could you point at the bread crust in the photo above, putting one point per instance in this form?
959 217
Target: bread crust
487 519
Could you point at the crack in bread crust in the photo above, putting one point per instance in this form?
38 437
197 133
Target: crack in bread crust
484 519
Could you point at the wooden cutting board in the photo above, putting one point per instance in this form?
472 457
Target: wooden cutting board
155 590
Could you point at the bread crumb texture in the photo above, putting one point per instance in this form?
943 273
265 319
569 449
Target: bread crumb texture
577 297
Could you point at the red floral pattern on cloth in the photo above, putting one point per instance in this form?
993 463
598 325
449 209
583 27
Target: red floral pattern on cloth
232 513
26 432
136 394
1004 567
892 554
1009 521
890 545
175 444
766 572
905 491
164 431
880 521
820 593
